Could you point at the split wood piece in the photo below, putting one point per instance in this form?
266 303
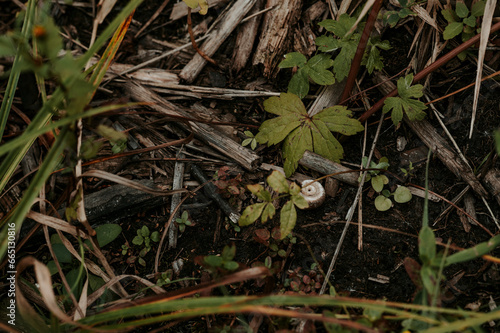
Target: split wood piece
180 9
211 92
492 182
439 146
211 192
245 157
118 201
176 200
325 166
275 39
246 38
329 96
227 24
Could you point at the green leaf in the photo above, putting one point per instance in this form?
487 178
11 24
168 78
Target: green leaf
294 189
325 143
195 3
477 9
340 27
246 142
299 84
138 240
231 265
142 262
413 108
461 10
470 21
402 194
342 62
155 236
473 252
268 212
48 40
285 104
449 15
107 233
327 43
426 245
251 214
288 218
260 192
453 29
394 104
378 182
214 261
293 59
405 12
382 203
144 231
7 46
338 119
111 134
429 279
299 201
62 253
316 68
278 182
228 252
294 147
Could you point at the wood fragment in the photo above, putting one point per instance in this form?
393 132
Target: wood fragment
275 38
227 24
326 167
176 200
492 182
329 96
228 147
246 38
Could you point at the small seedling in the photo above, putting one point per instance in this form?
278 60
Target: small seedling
462 21
273 241
392 17
165 278
382 202
183 221
408 172
144 238
250 140
406 101
224 262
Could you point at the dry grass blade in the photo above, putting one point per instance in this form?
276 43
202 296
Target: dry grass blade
489 11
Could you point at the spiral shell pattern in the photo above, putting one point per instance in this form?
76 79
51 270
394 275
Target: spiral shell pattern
313 192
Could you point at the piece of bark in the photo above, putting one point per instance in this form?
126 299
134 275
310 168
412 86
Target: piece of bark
118 201
180 9
245 157
227 24
492 182
212 92
276 32
439 146
314 11
326 167
246 38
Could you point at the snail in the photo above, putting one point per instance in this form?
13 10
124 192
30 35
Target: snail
313 193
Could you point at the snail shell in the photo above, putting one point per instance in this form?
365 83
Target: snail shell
313 193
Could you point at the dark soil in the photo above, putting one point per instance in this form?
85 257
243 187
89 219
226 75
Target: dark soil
388 237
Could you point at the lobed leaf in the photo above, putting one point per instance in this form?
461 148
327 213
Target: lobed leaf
287 103
341 26
293 59
299 84
294 147
338 119
316 68
327 43
275 130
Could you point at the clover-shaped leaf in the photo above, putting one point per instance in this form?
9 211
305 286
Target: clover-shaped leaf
405 102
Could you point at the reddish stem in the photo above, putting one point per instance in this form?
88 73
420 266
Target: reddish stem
429 69
360 51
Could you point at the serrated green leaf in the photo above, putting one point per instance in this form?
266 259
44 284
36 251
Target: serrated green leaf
340 27
342 63
299 84
327 43
470 21
294 147
477 9
288 218
461 10
287 103
382 203
278 182
293 59
453 29
338 119
402 194
275 130
317 67
414 109
268 212
324 143
449 15
373 61
251 214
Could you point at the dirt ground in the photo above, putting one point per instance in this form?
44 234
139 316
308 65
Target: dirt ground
375 272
